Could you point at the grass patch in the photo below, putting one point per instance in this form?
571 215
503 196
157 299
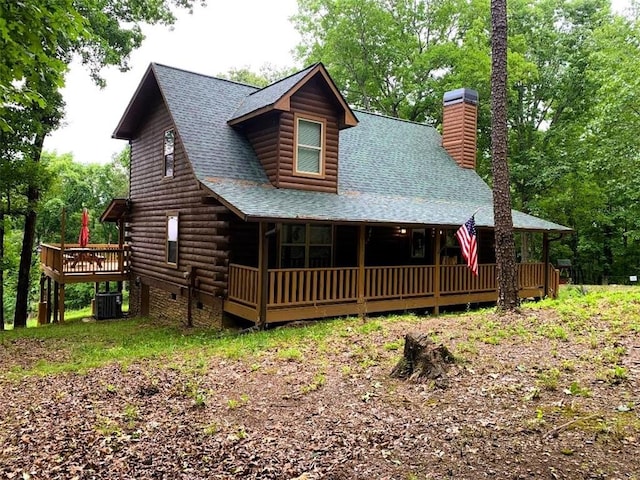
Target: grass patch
78 346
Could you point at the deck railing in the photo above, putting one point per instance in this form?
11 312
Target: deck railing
312 286
92 259
316 286
398 282
243 284
459 279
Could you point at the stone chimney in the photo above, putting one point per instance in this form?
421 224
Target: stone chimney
459 125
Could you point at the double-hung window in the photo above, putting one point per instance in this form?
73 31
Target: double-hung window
309 149
168 149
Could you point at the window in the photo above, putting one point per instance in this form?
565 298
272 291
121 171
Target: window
172 239
169 143
309 147
306 246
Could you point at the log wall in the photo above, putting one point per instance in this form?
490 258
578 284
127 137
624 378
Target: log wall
203 229
263 135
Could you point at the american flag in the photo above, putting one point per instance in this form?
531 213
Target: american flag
468 239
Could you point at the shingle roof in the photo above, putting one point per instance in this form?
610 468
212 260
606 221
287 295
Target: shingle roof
391 171
269 94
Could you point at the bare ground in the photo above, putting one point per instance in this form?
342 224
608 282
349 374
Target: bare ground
329 409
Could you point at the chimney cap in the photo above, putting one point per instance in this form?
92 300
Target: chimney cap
460 95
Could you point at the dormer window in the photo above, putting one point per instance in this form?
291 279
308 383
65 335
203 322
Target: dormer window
309 151
169 143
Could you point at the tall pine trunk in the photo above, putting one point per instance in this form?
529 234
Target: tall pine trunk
28 239
1 270
508 299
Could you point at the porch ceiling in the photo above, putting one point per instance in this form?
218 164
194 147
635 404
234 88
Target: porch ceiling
256 201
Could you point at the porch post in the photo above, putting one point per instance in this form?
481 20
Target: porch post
61 303
263 274
361 247
545 257
63 226
436 280
121 248
56 301
49 310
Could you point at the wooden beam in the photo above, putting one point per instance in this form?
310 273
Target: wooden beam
545 259
361 257
242 311
436 277
49 311
56 301
61 303
263 274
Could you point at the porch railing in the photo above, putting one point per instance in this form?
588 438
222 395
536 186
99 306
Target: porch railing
315 286
398 282
243 284
459 279
312 286
94 258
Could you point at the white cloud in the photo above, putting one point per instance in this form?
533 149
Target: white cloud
211 41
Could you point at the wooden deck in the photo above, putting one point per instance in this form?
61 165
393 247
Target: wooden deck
295 294
95 263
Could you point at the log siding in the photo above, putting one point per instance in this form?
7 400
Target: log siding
203 232
312 101
263 134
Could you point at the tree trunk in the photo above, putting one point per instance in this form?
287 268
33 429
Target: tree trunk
26 255
1 270
423 360
508 299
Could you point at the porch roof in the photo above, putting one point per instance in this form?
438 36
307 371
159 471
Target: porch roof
254 201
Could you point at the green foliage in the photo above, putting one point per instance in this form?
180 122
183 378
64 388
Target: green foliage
77 186
574 98
266 75
38 39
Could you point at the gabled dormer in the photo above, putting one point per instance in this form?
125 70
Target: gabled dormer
293 126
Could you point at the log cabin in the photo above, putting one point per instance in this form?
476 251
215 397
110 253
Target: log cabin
283 203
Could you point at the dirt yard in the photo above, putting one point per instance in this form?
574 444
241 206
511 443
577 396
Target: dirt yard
545 395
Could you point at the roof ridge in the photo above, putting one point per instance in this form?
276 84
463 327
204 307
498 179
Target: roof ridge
310 67
213 77
389 117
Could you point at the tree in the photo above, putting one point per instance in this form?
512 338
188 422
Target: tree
266 75
387 57
508 299
35 58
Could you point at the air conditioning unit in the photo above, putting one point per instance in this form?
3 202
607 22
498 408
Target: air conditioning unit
108 305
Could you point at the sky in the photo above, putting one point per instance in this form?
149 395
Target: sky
216 38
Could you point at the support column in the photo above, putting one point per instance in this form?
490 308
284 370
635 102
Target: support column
545 259
49 309
56 301
61 303
63 226
361 257
436 279
263 274
42 304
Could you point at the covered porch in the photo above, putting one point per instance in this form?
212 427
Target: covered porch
427 273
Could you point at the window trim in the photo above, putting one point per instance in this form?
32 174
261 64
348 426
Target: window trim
323 142
165 154
166 239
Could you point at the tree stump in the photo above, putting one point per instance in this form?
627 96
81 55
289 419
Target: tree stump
423 360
